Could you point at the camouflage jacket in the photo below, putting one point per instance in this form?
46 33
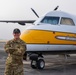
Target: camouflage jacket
15 50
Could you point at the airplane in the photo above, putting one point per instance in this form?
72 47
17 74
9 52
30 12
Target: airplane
53 33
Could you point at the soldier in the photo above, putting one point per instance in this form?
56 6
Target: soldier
15 49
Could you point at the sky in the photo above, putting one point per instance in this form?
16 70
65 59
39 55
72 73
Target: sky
20 10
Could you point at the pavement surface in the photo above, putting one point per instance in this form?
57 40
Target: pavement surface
55 64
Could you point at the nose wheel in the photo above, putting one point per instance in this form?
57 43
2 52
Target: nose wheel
33 64
40 64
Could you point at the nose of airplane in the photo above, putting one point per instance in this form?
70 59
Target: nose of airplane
35 37
26 36
32 37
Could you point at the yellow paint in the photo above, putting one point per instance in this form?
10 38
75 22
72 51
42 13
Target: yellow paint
46 37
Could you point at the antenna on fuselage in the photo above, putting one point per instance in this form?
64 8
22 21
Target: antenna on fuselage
35 12
56 8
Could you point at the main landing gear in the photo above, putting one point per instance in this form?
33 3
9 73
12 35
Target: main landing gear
37 61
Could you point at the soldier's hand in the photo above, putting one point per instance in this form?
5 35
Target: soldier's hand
11 50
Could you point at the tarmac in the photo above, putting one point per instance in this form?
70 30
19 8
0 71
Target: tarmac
55 64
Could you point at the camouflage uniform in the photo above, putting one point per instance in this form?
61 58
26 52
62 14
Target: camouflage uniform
14 61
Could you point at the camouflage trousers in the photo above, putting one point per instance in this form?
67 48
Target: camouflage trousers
14 69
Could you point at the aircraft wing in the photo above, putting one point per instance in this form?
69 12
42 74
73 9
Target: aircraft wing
21 22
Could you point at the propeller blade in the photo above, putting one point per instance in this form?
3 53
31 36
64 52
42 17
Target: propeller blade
56 8
35 12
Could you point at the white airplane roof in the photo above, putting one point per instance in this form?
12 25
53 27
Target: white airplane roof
59 13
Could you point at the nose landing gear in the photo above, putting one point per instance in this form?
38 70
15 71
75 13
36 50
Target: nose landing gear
38 62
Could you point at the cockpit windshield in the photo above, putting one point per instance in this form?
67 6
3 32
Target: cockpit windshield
50 20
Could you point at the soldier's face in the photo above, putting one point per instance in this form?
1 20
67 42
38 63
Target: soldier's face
16 35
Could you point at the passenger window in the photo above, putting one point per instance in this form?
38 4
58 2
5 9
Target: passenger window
50 20
67 21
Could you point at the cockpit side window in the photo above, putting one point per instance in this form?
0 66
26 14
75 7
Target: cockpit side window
66 21
50 20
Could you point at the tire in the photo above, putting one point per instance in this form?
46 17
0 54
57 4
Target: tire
40 64
33 64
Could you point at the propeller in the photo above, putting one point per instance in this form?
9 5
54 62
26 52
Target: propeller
38 15
56 8
35 12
